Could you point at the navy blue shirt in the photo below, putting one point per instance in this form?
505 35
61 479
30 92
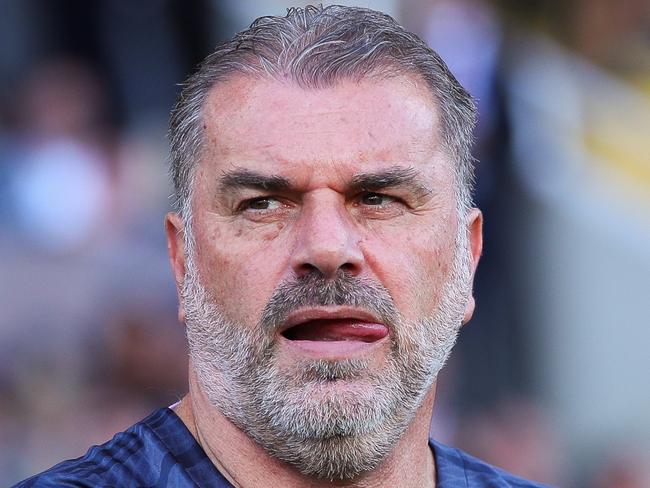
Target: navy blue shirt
160 451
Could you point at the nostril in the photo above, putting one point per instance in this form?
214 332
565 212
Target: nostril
309 268
349 267
306 268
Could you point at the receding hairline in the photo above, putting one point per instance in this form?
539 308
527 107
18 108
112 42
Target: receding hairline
386 71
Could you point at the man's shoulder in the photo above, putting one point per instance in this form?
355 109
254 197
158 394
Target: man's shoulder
456 468
157 451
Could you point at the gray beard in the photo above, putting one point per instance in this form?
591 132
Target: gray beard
328 419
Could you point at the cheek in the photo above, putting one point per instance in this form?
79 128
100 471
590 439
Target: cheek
413 268
241 273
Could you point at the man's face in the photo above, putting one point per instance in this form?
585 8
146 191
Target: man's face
330 269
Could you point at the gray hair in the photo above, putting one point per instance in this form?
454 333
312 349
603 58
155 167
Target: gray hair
316 47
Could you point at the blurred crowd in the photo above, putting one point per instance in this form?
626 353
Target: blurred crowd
89 339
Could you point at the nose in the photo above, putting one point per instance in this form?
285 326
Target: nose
328 241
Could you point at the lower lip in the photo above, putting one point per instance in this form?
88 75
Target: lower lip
331 349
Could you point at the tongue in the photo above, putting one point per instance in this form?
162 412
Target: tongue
337 330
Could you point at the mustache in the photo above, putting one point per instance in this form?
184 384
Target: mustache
315 290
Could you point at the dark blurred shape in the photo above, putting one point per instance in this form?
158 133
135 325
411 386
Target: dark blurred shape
140 355
62 167
515 435
63 98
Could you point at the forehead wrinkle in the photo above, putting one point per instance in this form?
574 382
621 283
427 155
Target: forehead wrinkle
230 98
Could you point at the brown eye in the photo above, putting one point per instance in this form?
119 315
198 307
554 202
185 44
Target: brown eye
262 203
375 199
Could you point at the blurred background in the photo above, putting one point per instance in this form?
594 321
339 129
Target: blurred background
550 380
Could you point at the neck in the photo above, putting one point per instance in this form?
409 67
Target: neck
247 465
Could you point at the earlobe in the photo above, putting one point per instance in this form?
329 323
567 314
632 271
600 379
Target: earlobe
469 309
176 250
474 225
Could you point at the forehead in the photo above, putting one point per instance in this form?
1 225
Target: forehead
349 125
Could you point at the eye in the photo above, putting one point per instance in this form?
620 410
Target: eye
376 199
260 204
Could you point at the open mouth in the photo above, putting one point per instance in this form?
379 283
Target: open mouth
336 329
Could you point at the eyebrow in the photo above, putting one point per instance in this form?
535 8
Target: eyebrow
390 178
243 178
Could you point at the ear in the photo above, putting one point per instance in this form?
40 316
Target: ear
474 226
176 249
